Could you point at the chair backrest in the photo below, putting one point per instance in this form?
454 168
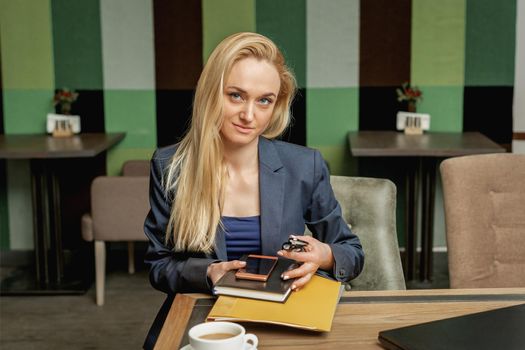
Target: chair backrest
369 207
119 205
136 168
484 197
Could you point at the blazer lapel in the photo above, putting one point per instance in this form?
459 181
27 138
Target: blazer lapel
271 189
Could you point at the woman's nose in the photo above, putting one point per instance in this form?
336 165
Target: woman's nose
248 112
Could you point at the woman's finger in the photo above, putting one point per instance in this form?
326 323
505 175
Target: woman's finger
297 256
301 282
301 271
308 239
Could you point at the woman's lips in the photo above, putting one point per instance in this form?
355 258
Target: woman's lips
243 129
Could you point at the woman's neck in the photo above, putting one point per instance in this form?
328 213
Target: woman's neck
239 158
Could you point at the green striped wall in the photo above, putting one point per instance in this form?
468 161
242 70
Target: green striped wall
108 50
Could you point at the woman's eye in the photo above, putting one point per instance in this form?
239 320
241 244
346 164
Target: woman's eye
235 96
265 101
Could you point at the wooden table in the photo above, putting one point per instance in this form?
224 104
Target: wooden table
359 318
42 150
424 151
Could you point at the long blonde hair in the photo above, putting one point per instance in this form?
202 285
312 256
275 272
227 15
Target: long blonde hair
196 176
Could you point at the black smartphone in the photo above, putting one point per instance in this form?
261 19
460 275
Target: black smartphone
258 267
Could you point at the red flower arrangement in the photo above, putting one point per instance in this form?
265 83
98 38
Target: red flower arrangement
408 93
411 94
64 98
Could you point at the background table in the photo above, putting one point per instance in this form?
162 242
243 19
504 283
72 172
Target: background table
44 153
424 151
359 317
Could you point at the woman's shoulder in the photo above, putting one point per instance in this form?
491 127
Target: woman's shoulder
292 151
165 153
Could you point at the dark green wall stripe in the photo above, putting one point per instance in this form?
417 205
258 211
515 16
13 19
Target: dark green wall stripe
78 58
490 42
178 43
77 44
285 23
384 54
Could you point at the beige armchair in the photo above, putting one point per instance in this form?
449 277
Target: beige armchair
484 197
119 205
136 168
369 207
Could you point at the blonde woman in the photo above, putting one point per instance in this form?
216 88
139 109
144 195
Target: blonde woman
229 188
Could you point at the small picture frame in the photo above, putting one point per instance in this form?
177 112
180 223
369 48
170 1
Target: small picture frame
413 123
61 122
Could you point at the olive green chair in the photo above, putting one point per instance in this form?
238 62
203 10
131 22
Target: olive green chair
369 208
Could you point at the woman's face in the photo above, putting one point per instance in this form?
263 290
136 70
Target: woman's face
250 93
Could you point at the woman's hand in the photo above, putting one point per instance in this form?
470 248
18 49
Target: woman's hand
316 255
217 270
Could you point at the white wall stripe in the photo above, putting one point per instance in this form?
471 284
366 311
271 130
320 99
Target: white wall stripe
127 44
19 205
332 47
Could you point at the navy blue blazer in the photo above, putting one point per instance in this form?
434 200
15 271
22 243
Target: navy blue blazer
295 191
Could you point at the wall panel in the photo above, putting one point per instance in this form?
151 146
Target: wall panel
129 79
332 32
490 42
384 54
221 18
178 43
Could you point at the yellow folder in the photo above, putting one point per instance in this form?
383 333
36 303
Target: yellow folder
312 307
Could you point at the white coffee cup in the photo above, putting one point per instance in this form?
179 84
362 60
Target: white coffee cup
214 336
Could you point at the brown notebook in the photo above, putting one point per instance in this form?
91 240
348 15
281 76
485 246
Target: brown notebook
274 289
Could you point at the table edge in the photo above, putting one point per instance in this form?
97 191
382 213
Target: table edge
183 304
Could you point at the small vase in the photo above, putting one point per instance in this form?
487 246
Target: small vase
412 106
65 108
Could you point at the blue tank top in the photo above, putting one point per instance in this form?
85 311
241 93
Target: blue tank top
243 235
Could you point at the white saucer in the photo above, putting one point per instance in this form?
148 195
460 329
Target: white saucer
188 347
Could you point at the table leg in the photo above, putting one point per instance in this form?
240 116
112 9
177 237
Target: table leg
427 222
55 228
39 227
47 228
412 194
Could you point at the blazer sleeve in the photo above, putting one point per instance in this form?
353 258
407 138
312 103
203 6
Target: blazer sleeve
170 272
325 220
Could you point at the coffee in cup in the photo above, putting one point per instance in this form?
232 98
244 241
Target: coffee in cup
216 336
221 336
